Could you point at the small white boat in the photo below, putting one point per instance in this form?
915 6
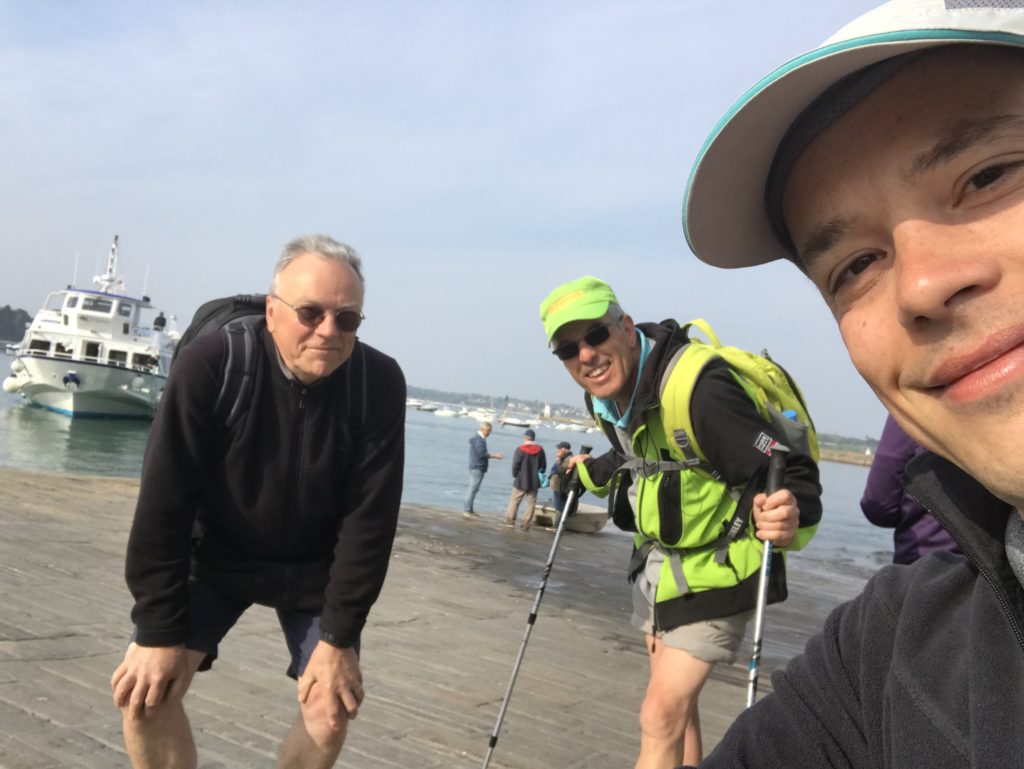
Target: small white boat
515 422
95 352
445 412
588 519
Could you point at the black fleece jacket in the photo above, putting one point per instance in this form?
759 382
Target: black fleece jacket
296 507
924 669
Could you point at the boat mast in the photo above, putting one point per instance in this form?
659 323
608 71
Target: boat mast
109 280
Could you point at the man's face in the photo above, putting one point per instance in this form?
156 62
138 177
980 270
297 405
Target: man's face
485 431
909 215
310 280
606 370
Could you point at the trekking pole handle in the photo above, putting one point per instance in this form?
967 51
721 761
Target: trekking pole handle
574 479
776 469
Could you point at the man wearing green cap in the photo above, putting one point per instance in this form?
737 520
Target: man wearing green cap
888 165
694 587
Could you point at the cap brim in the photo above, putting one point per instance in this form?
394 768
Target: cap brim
724 217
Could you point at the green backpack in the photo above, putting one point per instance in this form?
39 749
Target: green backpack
773 391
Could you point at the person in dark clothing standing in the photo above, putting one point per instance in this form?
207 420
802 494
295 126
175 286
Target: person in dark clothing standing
886 502
886 165
558 475
479 459
294 507
527 463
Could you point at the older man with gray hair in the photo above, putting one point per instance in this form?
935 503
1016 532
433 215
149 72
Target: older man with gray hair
294 506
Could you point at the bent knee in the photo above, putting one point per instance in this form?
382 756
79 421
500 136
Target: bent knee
323 726
665 716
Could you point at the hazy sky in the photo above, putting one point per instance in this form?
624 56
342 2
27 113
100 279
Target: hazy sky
476 154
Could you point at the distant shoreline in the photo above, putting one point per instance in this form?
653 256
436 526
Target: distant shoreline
846 457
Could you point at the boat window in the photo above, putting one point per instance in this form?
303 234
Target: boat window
39 345
72 301
92 350
124 309
143 361
95 304
62 350
117 357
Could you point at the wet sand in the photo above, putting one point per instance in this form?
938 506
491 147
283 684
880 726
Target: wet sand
437 652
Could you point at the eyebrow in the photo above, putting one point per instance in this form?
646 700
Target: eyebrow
821 239
963 137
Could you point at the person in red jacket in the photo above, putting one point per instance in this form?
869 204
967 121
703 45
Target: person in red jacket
527 463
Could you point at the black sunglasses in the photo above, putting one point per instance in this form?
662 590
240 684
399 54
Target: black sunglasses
595 336
312 316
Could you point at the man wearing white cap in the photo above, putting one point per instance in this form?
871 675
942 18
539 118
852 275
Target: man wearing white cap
888 165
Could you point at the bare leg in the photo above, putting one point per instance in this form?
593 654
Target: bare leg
311 742
693 745
668 715
163 738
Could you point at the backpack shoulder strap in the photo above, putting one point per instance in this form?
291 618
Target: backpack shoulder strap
675 392
233 400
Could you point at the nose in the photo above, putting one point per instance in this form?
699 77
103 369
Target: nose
328 325
588 354
939 269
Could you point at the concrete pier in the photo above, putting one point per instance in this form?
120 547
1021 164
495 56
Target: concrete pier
437 652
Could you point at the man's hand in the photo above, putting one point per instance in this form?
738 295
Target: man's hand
777 517
575 459
497 455
149 676
336 671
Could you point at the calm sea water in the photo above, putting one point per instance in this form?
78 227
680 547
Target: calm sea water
435 473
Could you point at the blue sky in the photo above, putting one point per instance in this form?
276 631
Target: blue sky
476 154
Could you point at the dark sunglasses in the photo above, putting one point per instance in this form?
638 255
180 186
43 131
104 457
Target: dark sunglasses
595 336
312 316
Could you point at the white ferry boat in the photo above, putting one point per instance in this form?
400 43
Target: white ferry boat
95 352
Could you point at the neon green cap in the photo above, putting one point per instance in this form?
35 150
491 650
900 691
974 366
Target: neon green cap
585 298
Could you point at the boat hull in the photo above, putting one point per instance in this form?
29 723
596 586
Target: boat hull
81 389
588 519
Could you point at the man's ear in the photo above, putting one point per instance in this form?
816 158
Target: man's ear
630 328
269 312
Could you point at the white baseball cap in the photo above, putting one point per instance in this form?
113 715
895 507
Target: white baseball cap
725 215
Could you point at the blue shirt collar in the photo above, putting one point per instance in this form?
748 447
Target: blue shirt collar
606 409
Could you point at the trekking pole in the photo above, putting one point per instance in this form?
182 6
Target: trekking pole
567 510
776 473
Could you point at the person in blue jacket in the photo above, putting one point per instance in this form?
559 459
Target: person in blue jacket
479 460
888 166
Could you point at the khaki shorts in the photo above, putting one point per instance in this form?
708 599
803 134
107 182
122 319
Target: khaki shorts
713 640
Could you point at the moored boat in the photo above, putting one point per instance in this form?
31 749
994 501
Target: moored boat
95 352
588 519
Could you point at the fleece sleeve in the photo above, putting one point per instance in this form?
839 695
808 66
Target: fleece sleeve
174 470
370 503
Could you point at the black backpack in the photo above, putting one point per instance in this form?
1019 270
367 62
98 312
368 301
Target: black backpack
239 318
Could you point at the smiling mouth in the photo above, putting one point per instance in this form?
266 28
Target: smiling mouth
980 375
598 372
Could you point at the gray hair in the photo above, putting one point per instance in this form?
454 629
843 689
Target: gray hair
615 313
488 425
321 245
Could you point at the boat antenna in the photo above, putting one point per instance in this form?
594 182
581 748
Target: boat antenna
109 280
145 281
74 277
